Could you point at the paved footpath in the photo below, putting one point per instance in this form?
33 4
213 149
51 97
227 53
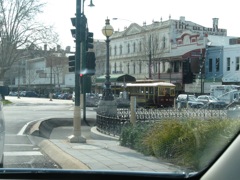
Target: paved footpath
101 155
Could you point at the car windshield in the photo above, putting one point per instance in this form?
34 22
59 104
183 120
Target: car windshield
94 85
213 98
191 98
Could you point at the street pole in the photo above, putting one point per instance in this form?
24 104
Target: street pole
76 137
150 57
83 66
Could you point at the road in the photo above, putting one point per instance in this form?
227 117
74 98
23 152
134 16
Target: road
20 151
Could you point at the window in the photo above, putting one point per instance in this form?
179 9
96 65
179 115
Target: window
140 46
140 67
121 67
120 49
228 63
128 48
237 63
134 68
210 65
163 66
115 67
128 68
217 64
134 47
115 50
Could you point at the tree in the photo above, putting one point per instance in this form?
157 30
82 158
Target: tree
154 49
57 63
20 30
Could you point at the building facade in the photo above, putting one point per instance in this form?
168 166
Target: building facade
158 51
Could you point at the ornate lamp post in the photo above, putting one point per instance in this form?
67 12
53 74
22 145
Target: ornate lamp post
107 93
107 104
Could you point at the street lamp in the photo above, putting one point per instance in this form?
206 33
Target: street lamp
107 104
107 31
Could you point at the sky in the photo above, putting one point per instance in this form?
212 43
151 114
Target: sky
59 12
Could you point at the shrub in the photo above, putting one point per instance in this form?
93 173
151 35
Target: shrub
192 143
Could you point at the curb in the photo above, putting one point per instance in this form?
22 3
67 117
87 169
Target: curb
62 158
42 130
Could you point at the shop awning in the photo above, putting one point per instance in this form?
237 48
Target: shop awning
116 78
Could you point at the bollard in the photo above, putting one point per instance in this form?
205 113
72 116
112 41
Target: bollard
50 96
133 110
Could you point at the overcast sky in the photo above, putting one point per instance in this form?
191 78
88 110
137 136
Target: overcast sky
59 12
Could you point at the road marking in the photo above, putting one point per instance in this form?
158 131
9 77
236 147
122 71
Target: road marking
23 153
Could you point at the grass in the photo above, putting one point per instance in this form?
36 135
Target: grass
6 102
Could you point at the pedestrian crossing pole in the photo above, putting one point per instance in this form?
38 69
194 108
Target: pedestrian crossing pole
77 137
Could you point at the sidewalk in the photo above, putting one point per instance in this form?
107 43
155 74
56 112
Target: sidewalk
98 153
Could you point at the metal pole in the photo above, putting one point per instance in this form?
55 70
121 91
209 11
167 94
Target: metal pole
76 137
107 92
150 57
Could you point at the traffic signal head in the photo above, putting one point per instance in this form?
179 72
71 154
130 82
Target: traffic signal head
71 63
194 77
89 40
90 63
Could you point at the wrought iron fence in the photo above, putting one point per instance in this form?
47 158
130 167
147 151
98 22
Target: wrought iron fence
112 125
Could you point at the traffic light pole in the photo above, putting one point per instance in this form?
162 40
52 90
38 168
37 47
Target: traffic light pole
84 76
76 137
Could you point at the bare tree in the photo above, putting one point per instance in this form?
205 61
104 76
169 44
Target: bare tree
19 30
30 74
154 49
57 66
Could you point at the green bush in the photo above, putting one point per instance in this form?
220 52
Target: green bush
192 143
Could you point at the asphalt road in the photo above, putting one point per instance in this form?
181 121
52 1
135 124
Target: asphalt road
20 151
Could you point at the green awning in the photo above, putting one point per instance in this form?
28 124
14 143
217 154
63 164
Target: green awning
116 78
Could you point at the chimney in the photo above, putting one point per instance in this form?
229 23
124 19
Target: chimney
182 19
215 24
45 47
58 48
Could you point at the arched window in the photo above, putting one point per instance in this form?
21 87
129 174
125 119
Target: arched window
115 50
140 67
128 48
134 68
121 67
115 67
120 49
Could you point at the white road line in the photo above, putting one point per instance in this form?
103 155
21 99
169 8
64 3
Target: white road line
23 153
18 145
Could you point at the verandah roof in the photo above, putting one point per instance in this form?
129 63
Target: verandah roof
116 78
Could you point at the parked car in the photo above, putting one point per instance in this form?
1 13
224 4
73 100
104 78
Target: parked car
29 94
191 100
211 102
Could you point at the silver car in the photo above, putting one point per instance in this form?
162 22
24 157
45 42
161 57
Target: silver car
184 99
211 102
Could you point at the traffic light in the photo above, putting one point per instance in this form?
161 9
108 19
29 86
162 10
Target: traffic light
73 31
90 63
71 63
194 77
89 40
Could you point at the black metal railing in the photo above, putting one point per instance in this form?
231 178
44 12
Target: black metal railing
112 125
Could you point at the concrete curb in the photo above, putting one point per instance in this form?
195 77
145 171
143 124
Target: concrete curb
95 134
62 158
40 131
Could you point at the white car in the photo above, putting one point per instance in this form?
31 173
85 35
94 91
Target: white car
191 100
